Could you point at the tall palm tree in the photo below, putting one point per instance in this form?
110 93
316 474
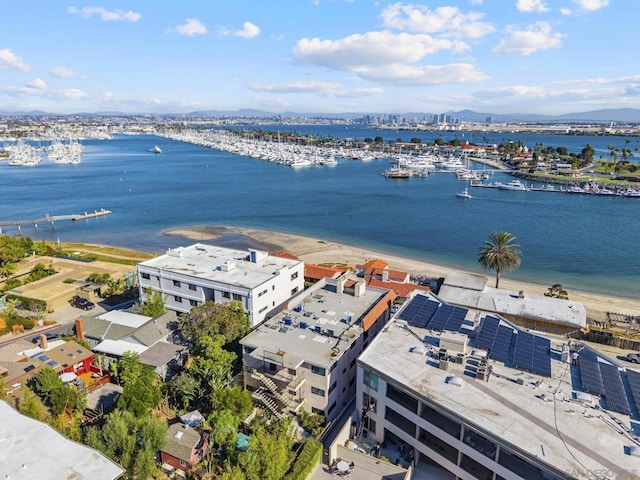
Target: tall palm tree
499 253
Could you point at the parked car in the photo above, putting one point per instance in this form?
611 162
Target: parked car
633 358
79 302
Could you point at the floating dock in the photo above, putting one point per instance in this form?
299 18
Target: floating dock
51 219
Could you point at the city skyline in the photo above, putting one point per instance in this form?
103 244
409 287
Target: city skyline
322 56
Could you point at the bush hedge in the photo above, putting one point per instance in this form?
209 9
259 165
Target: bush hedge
306 461
26 323
32 304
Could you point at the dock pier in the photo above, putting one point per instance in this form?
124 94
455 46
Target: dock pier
51 219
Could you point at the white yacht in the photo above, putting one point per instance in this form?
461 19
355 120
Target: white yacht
157 150
513 185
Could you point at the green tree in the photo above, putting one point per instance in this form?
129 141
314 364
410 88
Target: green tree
499 253
132 441
46 381
224 430
269 454
142 393
211 364
209 319
154 306
557 291
236 400
32 406
378 140
184 390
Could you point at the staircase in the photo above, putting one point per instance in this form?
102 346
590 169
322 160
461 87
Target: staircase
286 399
267 402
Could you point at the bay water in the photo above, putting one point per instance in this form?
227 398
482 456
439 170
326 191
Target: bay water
582 241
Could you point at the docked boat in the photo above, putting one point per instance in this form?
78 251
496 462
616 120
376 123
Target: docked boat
397 172
464 194
513 185
576 189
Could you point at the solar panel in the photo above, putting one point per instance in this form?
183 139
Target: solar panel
541 356
634 382
532 353
440 317
590 374
488 332
419 311
501 344
454 322
614 392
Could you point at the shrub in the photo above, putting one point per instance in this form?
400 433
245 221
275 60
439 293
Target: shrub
32 304
69 280
306 461
17 323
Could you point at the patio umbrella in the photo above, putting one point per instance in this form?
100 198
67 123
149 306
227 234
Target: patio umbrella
68 377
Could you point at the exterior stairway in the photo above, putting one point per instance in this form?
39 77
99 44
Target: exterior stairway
268 403
286 399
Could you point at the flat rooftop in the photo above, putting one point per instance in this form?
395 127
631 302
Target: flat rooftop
318 323
219 264
32 449
536 414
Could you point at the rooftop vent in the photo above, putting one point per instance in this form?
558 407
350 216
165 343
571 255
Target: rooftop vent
175 252
228 266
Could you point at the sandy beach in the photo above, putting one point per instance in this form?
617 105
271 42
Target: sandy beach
318 251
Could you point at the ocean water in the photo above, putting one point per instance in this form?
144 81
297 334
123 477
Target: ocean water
583 242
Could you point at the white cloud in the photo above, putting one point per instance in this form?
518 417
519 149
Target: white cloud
538 6
37 83
371 48
591 5
417 75
106 15
357 92
249 31
447 21
63 72
11 60
294 87
475 2
191 27
565 11
525 42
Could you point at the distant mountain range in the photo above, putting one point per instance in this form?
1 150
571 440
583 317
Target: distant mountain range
627 115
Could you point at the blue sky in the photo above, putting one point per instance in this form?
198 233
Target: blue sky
324 56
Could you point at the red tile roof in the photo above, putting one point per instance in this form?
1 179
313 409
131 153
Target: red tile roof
401 289
318 272
374 263
285 254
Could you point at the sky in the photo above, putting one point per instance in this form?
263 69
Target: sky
319 56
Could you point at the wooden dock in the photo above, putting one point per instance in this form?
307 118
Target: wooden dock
51 219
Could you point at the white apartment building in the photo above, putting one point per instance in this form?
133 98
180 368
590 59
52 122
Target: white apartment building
443 399
306 355
190 276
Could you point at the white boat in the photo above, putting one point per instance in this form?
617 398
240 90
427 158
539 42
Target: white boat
157 149
513 185
464 194
575 189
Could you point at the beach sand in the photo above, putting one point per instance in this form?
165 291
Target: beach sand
317 251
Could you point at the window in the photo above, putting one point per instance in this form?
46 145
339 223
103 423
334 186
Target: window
294 291
369 403
317 411
237 296
402 398
177 298
318 370
262 292
146 276
193 303
399 421
331 408
370 424
353 362
317 391
183 463
226 294
192 287
333 367
176 283
371 380
294 275
263 309
333 387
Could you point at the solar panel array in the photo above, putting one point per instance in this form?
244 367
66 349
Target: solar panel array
502 344
488 332
448 317
495 338
634 383
419 311
532 353
590 374
614 392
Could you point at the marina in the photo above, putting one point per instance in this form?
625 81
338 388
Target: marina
350 203
51 219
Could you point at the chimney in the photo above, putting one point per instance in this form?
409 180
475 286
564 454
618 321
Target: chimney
80 329
359 289
43 341
385 274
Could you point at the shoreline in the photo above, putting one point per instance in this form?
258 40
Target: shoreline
318 251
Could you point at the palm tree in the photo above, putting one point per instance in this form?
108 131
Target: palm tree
499 253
